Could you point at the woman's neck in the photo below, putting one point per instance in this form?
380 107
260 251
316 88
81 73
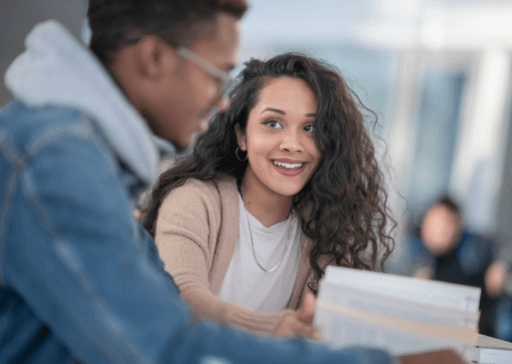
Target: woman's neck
265 205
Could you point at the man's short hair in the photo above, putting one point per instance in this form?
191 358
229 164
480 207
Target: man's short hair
179 22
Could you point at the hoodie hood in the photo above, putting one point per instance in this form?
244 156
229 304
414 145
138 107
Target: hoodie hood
56 69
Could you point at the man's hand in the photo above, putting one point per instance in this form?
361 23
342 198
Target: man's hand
434 357
496 277
297 323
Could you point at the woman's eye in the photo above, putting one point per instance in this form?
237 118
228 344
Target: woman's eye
309 128
273 124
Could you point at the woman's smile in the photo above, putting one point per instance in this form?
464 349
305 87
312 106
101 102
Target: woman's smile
288 167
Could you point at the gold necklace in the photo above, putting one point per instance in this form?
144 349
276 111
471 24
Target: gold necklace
254 252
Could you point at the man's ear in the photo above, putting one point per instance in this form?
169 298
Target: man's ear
155 57
240 137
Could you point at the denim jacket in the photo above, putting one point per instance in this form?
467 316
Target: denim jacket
81 280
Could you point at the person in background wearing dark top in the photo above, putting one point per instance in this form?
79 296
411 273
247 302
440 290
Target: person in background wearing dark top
446 251
81 279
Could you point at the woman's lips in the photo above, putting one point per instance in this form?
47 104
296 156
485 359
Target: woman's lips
289 172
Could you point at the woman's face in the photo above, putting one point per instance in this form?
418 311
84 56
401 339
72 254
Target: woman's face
280 138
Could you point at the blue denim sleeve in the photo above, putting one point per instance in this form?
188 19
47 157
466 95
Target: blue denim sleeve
74 254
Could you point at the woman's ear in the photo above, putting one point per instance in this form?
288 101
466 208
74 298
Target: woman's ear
240 137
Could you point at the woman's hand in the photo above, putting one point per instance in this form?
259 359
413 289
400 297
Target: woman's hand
297 323
434 357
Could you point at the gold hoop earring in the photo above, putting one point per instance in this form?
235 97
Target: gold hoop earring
237 157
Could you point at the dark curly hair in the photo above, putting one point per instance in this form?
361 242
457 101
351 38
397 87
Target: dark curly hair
179 22
347 215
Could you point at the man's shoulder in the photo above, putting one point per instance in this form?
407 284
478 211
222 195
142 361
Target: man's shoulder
479 241
56 149
27 128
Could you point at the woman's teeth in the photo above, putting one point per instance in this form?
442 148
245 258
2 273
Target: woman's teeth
287 165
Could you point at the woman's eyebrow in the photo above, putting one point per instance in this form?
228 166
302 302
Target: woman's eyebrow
278 111
271 109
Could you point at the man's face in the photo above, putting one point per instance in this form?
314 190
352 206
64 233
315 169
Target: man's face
189 94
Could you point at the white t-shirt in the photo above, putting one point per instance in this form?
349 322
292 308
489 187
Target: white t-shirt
245 283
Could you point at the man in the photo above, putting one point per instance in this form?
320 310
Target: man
81 280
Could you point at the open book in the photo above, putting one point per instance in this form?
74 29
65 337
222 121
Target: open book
400 314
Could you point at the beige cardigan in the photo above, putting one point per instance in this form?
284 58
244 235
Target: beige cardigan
196 234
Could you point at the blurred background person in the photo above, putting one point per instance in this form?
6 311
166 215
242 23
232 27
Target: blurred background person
444 248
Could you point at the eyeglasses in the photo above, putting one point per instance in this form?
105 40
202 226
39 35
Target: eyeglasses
224 79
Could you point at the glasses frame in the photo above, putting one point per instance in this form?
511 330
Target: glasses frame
224 78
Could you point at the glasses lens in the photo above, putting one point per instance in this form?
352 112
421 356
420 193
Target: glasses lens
224 79
227 85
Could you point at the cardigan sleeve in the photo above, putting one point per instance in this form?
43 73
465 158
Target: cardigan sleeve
186 234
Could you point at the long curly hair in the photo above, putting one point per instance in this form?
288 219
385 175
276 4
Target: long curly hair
343 208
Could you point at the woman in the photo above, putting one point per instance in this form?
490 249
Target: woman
279 186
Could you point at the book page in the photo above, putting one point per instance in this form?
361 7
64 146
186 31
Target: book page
484 341
400 314
440 294
396 308
339 331
493 356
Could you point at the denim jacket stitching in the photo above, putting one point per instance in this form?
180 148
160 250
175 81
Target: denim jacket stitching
79 129
18 165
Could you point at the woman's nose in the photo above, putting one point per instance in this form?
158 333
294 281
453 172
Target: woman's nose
291 141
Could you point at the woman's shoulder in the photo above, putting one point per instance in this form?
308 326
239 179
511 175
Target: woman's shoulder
215 200
215 186
220 191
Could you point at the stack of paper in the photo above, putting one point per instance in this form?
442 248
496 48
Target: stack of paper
492 351
400 314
